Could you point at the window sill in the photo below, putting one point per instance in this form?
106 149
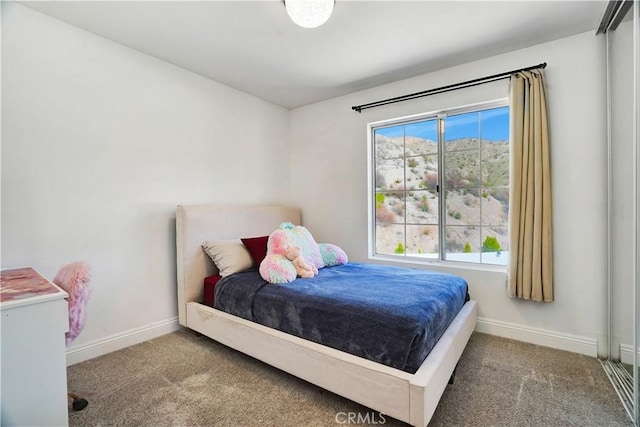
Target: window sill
441 265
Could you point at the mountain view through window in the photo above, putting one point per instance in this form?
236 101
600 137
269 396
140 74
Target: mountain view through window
442 187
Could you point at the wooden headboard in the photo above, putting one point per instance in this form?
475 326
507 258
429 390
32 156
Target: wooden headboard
196 224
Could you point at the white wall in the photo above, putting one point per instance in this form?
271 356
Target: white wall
99 145
100 142
621 78
329 181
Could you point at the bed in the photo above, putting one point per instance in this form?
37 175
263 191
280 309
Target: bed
409 397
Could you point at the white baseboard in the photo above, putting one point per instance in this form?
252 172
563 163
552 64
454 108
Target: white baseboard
626 354
553 339
82 352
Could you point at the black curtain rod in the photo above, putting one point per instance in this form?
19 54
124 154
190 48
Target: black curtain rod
469 83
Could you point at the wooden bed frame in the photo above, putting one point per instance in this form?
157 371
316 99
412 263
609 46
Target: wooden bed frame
411 398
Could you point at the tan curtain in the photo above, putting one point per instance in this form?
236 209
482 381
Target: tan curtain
530 249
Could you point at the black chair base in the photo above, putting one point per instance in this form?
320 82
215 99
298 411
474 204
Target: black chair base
78 403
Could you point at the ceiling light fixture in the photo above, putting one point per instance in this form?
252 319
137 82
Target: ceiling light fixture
309 13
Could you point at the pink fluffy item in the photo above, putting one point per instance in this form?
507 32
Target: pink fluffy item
277 268
303 267
74 279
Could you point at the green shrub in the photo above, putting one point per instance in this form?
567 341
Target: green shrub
424 204
399 249
491 244
379 200
467 248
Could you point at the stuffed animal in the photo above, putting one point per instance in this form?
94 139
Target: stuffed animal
303 267
277 268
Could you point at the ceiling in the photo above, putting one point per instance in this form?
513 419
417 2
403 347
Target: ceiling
254 47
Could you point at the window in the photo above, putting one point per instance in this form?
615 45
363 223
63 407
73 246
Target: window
440 185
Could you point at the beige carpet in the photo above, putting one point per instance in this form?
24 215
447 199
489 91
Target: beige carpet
182 379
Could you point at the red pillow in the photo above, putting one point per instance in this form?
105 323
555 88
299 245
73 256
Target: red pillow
257 247
210 289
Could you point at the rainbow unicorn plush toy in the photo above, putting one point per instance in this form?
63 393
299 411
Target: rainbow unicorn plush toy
277 268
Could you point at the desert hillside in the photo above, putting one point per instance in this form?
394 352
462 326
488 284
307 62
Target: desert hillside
476 192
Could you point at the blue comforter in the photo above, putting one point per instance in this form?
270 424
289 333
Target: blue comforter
390 315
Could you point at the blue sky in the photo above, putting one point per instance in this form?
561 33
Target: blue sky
493 123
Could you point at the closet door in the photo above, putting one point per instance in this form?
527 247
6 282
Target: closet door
623 87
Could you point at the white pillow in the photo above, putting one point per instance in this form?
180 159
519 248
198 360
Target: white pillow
230 256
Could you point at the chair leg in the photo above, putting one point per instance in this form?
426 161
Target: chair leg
78 403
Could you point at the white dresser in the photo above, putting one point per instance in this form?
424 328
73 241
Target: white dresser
34 320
